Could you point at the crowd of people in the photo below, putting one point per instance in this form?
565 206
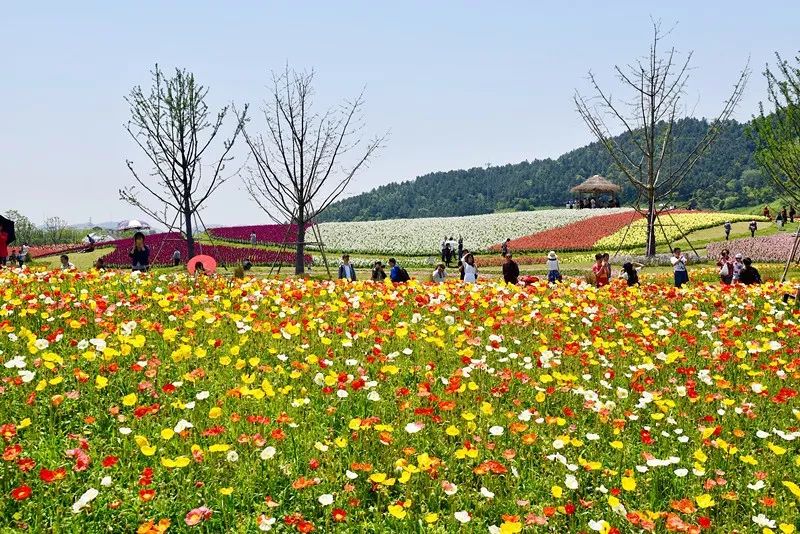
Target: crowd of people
591 203
782 217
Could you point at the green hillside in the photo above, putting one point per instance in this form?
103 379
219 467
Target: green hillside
727 177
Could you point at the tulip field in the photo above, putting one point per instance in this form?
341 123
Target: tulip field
159 402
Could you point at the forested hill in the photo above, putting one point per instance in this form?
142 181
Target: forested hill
726 177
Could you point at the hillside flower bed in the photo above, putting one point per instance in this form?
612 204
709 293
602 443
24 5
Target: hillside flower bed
422 237
266 234
163 245
43 251
775 247
145 403
580 235
676 227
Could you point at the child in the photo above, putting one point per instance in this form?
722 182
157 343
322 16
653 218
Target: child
600 271
630 273
679 267
749 274
65 263
553 268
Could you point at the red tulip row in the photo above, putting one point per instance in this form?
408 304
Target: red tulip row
268 234
162 247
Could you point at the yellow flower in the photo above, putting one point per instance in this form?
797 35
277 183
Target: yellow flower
628 483
556 491
129 400
705 501
219 447
794 488
431 518
100 382
510 527
215 412
226 491
148 450
397 511
452 431
167 433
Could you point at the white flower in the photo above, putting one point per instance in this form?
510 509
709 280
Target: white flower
681 472
496 430
268 453
598 526
374 396
16 361
763 521
182 425
413 428
125 430
571 482
761 434
232 456
203 395
351 475
462 517
592 437
525 416
486 493
757 486
326 499
449 488
265 523
41 344
106 481
26 376
84 500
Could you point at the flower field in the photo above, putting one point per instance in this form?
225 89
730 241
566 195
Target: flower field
422 237
163 245
579 235
775 247
158 402
676 227
266 234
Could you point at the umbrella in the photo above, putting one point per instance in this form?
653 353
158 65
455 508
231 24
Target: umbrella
209 264
8 226
133 224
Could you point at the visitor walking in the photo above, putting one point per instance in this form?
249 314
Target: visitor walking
553 268
779 221
792 213
139 254
3 247
470 269
439 274
738 266
679 267
510 270
767 213
504 247
176 258
253 238
727 227
630 273
346 270
753 227
460 248
378 274
725 267
448 254
749 274
784 215
599 271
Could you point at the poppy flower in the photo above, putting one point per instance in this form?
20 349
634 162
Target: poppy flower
20 493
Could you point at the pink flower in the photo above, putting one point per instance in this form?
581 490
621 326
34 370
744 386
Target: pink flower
198 514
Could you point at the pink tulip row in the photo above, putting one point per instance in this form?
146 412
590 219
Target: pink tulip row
774 247
267 234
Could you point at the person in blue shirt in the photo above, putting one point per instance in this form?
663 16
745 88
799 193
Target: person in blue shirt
395 274
346 270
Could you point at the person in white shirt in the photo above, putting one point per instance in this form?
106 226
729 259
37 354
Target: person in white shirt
553 268
439 275
22 256
679 267
253 238
738 267
470 269
346 270
65 263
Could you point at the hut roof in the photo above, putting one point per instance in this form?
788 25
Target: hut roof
596 184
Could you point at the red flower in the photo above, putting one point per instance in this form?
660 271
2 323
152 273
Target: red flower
147 495
569 508
26 464
21 493
704 522
110 461
8 431
48 477
305 526
339 515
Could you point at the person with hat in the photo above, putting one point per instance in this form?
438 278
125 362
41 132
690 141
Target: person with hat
553 268
738 267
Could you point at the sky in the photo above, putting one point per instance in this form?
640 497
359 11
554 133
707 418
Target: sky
456 84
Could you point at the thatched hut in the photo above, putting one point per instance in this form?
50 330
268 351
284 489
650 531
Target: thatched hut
595 187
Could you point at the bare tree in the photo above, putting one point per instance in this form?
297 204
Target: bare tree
298 170
777 132
656 84
56 227
173 127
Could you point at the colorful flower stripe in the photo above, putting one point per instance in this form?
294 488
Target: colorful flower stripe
163 245
137 403
675 227
775 247
581 235
266 234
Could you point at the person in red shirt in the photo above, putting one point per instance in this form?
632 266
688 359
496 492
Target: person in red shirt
600 271
3 247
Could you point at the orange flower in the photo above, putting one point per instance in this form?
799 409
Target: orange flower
685 506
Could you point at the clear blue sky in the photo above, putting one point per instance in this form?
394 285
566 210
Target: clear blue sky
459 84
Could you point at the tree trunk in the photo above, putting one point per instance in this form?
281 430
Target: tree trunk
650 249
187 215
299 264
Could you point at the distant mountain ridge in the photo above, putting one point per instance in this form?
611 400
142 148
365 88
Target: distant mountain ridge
726 177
